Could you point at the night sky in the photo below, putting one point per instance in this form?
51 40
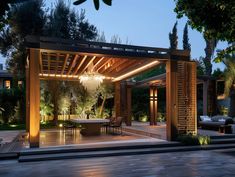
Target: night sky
142 22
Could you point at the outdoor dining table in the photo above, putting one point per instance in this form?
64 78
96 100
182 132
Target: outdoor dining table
90 126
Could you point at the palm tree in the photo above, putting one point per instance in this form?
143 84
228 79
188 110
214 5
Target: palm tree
229 75
96 3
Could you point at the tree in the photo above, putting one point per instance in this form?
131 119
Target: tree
21 22
186 45
96 3
5 7
46 106
107 91
101 37
115 39
201 68
209 51
66 23
173 37
214 17
54 88
229 77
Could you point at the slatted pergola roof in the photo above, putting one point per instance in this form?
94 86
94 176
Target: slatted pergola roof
68 59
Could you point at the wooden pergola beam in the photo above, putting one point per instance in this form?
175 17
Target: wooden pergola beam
72 64
97 63
48 64
103 64
65 63
91 60
78 66
40 63
57 60
116 65
106 49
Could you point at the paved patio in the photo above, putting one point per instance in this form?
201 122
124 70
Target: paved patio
183 164
9 141
136 134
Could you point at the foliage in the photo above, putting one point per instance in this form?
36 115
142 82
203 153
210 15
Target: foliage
143 118
61 21
218 73
201 68
224 111
190 139
1 111
64 104
8 101
161 117
17 116
46 107
12 127
21 22
214 17
115 39
225 52
67 23
186 44
106 91
5 6
209 51
83 100
173 37
96 3
229 77
101 37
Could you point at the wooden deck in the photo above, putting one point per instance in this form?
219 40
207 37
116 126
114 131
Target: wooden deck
159 130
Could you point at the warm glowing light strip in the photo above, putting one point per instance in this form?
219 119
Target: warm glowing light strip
66 76
135 71
58 75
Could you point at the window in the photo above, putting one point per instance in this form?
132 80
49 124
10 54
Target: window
8 84
20 83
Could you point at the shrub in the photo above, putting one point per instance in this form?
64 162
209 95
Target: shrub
161 117
190 139
143 118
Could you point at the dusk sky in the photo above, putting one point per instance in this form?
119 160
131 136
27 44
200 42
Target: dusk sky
142 22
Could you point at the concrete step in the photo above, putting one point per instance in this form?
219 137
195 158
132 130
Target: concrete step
223 141
74 149
91 154
142 132
227 136
8 156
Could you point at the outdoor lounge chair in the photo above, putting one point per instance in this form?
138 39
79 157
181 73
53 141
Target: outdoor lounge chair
215 122
116 125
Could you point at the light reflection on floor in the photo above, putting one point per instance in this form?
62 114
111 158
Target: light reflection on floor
70 137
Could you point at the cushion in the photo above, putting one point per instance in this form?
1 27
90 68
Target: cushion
219 117
221 120
205 118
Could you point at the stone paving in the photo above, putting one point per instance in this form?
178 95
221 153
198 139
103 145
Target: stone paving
9 136
183 164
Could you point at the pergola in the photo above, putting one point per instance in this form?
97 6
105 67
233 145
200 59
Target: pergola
61 59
